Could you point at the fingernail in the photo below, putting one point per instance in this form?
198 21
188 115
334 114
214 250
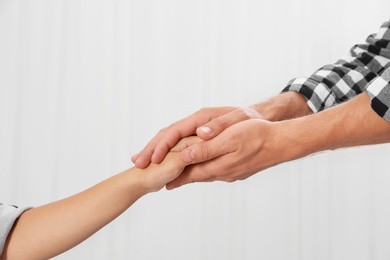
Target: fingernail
188 156
138 161
205 130
134 157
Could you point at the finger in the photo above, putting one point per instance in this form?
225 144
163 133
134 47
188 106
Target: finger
206 150
203 172
169 138
193 173
185 143
159 146
142 160
135 157
185 128
165 139
219 124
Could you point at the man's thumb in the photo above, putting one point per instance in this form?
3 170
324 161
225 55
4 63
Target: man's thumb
201 152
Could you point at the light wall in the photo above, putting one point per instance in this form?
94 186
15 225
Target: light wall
85 84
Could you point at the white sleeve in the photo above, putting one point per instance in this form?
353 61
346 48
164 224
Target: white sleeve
8 215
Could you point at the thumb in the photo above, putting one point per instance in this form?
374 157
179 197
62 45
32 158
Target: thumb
218 125
204 151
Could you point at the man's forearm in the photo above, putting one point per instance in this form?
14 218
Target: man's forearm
352 123
284 106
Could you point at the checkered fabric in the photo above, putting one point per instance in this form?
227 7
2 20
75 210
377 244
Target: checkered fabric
366 69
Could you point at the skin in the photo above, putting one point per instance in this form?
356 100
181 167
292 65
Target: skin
270 139
49 230
209 122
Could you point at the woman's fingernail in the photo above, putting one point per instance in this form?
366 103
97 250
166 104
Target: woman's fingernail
205 130
188 156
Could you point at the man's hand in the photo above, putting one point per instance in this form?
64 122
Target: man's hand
208 123
205 123
254 145
237 153
156 176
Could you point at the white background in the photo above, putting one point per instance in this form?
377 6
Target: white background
85 84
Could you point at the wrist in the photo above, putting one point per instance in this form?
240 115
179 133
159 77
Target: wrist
284 106
305 135
291 138
136 182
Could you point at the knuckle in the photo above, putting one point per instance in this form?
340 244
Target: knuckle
204 152
203 110
244 113
251 113
174 131
241 178
162 130
174 126
171 126
164 146
236 139
230 180
221 122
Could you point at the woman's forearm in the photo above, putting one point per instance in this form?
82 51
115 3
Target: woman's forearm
49 230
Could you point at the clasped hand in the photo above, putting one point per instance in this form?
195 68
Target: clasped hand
237 143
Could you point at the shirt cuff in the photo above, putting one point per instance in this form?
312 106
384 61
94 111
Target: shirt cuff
317 94
379 92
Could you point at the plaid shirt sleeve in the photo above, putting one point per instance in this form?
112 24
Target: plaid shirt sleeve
366 69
